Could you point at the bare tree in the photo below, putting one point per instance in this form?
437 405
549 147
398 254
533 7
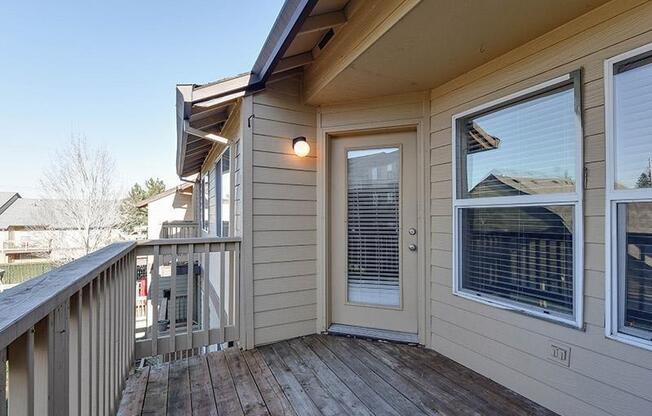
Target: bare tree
79 212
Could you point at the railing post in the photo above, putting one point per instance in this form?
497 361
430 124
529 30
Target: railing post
222 305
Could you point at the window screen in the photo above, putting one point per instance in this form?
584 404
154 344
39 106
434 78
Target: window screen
517 201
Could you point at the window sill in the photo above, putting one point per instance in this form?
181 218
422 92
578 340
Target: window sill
631 340
571 323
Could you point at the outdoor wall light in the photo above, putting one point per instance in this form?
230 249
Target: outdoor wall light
300 146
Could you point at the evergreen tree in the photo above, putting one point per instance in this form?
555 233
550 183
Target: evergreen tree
132 216
644 181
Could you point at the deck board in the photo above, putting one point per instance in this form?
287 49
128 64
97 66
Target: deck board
179 399
320 375
201 390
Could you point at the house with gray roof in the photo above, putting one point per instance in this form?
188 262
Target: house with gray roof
19 229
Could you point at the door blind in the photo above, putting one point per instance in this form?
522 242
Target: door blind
373 216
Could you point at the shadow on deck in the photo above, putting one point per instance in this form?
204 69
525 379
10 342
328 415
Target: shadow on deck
320 375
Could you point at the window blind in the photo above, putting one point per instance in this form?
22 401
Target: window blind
373 222
523 254
522 149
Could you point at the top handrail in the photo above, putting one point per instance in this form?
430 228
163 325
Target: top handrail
192 240
22 306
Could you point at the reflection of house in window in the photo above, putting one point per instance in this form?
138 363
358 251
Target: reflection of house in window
496 184
479 140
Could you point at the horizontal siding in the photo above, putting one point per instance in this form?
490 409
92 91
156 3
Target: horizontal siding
605 377
284 215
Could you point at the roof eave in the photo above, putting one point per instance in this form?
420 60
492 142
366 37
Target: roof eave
287 24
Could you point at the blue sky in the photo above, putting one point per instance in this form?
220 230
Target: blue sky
107 70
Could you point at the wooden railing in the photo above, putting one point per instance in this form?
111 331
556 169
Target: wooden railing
179 229
193 292
69 338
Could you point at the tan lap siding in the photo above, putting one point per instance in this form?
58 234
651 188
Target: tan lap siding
284 215
605 376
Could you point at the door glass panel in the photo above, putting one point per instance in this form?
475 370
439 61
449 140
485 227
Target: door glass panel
373 201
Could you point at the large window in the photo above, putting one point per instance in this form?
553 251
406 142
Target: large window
517 202
628 104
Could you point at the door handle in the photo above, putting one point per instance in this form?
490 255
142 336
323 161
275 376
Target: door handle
412 247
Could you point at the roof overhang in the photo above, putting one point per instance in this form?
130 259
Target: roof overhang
402 46
183 188
202 110
201 116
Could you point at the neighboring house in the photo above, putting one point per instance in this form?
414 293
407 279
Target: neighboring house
24 237
521 275
19 235
170 213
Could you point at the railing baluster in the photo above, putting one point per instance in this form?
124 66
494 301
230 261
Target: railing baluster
93 340
206 287
190 287
172 306
231 280
20 355
59 361
153 293
42 371
107 340
123 325
85 357
75 356
101 320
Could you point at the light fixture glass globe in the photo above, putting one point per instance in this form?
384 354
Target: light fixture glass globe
301 147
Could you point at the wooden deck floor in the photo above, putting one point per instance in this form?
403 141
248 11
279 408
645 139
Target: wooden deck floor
320 375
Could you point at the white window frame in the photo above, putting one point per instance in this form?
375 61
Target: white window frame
574 199
614 197
219 165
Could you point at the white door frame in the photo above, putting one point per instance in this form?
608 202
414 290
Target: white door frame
423 213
